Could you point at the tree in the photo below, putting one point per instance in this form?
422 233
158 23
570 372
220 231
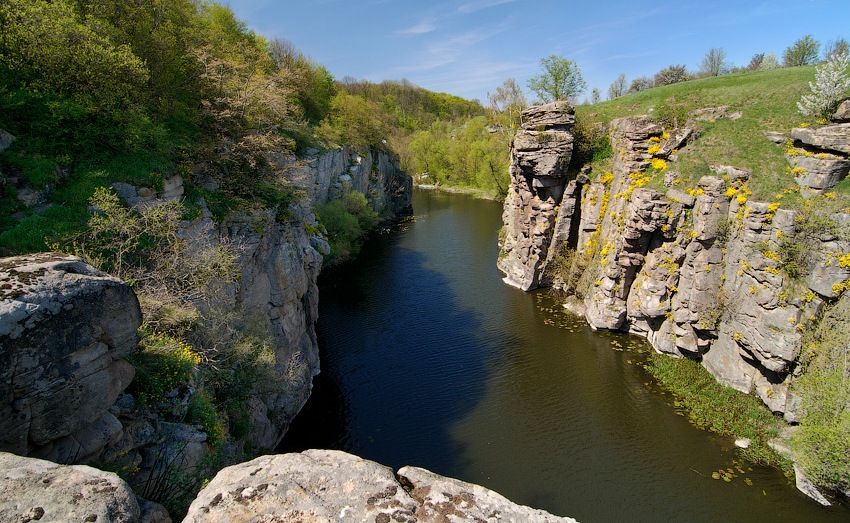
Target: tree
769 62
671 75
48 48
714 63
804 51
642 83
595 96
835 47
560 80
506 105
617 87
832 81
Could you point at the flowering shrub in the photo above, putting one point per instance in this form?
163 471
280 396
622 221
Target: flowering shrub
659 164
165 364
832 81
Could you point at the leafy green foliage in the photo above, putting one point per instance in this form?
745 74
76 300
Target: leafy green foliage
469 155
560 80
591 142
164 364
348 220
824 438
354 120
202 411
804 51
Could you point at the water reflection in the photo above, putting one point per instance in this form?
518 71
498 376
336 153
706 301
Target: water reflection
430 360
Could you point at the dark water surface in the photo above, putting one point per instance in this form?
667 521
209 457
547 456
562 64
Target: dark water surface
428 359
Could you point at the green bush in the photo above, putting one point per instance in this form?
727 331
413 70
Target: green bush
824 438
591 142
163 364
202 411
348 220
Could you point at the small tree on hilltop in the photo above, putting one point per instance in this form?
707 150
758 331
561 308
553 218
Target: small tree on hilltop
671 75
714 63
832 81
617 87
595 96
804 51
560 80
835 47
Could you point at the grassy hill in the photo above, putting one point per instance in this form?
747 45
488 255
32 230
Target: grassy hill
767 101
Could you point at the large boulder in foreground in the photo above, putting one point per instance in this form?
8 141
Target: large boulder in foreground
64 328
332 486
37 490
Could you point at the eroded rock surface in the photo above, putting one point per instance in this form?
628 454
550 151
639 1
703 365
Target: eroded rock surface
64 328
333 486
37 490
540 156
697 272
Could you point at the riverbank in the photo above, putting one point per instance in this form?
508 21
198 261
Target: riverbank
475 192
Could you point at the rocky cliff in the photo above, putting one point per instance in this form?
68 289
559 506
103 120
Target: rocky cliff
539 158
374 173
65 327
64 330
700 273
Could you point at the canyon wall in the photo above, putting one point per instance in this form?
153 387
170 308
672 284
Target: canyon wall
65 327
698 272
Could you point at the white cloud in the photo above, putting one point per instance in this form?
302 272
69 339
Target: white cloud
423 27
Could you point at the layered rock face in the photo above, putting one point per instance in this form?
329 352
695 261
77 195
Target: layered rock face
698 273
819 156
374 173
540 155
280 266
64 328
326 485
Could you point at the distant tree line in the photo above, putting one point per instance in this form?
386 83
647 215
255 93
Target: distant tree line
804 51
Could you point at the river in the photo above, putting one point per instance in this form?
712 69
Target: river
429 359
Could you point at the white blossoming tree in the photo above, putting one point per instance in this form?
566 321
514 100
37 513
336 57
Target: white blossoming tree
832 82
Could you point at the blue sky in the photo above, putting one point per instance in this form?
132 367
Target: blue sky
469 47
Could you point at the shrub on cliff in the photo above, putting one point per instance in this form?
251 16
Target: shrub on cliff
824 438
348 220
832 82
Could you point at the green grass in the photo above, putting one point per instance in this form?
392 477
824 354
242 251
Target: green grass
712 406
67 212
767 100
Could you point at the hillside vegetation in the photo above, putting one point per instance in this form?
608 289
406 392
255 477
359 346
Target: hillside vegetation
730 115
767 102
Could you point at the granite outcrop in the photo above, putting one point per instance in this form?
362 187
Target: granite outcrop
700 273
327 485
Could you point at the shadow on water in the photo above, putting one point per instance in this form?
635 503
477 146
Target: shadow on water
393 363
428 359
